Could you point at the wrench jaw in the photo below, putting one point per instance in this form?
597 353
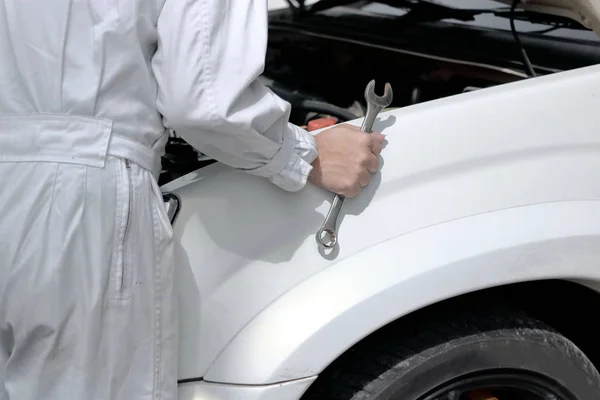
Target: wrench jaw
381 101
329 227
323 234
375 104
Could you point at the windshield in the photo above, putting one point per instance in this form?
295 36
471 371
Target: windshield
486 20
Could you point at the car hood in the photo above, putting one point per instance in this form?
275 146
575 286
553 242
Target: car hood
586 12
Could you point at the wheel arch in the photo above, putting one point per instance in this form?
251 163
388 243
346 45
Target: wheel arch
477 314
549 246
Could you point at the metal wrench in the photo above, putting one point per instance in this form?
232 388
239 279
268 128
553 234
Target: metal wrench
374 105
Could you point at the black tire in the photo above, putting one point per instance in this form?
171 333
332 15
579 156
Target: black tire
413 362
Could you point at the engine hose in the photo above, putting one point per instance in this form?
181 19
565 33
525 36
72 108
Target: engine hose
326 108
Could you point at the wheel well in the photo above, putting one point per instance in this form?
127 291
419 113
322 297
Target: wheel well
557 303
554 302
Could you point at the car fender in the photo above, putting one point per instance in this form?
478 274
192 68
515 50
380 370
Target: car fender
307 328
244 247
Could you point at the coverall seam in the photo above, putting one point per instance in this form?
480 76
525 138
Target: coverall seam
49 115
157 302
85 187
207 78
54 183
129 235
61 70
119 216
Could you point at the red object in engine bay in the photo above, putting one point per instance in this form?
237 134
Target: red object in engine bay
321 123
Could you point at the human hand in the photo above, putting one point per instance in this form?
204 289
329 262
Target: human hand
347 158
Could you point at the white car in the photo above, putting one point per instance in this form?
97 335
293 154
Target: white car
468 269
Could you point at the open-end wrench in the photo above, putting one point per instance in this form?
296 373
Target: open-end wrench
374 105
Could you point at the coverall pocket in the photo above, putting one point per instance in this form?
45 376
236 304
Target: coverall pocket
161 210
120 270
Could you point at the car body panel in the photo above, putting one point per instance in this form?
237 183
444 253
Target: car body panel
214 391
586 12
302 332
245 248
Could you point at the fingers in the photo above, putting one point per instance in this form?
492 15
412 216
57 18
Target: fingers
371 159
376 142
371 163
379 136
376 147
351 190
364 178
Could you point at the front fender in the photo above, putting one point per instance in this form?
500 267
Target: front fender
308 327
465 170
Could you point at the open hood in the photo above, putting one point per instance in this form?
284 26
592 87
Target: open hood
585 12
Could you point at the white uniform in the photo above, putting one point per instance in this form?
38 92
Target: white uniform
86 91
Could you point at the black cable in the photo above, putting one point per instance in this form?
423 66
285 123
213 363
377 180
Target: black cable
526 61
325 108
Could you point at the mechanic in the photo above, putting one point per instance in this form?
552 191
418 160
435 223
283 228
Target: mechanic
88 92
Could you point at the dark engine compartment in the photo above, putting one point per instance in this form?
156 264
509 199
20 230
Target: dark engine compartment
321 64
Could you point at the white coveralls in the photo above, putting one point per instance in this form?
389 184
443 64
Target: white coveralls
86 91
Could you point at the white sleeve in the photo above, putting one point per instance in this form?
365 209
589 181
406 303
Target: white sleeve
209 54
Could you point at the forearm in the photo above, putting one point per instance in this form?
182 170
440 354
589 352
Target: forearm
210 54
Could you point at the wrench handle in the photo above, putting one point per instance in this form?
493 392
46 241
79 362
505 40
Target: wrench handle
372 112
327 236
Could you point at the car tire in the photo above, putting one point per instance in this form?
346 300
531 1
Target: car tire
489 353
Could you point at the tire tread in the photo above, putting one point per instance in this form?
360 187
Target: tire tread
398 347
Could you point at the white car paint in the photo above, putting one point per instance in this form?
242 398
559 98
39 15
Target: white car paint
476 190
304 330
215 391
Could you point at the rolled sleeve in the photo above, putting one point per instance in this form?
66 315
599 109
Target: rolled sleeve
209 56
294 174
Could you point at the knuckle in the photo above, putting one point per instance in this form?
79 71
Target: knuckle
358 170
376 162
350 190
347 186
364 139
351 193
